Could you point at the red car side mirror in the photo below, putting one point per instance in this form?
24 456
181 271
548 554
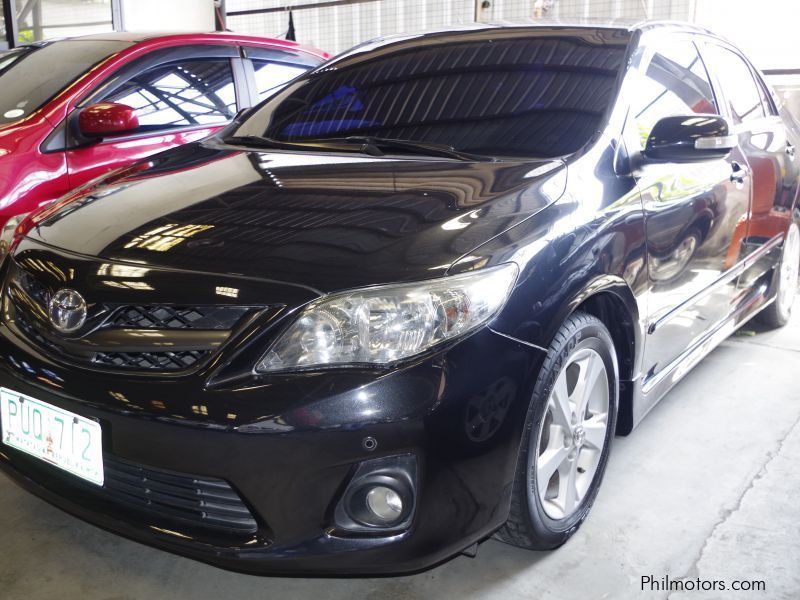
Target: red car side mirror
107 118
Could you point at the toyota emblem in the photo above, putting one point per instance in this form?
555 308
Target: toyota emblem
67 310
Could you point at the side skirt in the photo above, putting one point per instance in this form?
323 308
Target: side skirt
655 387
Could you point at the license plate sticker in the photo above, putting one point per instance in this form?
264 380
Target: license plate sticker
61 438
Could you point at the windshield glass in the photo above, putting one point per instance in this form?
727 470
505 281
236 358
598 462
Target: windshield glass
513 92
9 56
32 75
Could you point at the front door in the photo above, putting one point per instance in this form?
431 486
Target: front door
693 211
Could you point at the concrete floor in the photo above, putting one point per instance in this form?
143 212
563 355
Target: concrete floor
706 487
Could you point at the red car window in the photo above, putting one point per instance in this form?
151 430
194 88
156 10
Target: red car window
181 93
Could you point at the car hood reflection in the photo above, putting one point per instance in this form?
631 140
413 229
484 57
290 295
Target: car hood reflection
322 220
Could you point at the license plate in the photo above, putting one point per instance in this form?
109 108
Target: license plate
66 440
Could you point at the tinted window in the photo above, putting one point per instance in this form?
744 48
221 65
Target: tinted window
195 92
767 97
533 95
32 76
270 75
742 95
673 83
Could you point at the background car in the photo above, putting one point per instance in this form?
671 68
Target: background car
73 109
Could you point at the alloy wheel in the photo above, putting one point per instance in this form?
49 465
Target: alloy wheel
572 434
789 270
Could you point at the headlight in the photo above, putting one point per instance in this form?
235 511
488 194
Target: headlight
385 324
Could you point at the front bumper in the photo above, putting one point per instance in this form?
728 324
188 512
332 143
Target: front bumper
289 446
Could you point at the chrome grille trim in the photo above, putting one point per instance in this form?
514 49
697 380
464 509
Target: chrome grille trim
146 338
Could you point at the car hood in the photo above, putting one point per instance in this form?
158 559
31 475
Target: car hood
326 221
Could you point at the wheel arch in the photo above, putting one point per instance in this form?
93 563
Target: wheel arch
610 299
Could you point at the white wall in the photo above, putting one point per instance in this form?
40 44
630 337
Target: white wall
337 28
765 30
168 15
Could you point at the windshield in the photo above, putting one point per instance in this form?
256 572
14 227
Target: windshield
9 56
508 92
32 75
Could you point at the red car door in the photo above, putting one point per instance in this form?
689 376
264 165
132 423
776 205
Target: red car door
179 95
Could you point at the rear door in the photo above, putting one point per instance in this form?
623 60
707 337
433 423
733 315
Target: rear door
771 156
693 211
180 95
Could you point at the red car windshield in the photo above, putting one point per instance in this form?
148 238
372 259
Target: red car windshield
32 75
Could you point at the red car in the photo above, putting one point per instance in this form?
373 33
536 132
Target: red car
73 109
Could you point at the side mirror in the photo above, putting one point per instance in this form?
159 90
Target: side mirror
107 118
689 138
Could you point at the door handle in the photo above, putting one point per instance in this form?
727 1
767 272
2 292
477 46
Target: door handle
738 173
790 150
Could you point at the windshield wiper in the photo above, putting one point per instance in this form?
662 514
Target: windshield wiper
256 141
373 146
413 147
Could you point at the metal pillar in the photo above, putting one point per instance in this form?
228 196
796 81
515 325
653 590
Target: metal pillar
483 11
116 15
38 29
220 14
10 18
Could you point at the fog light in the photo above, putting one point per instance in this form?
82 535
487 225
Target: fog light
380 496
385 503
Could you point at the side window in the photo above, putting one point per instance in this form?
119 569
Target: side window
767 98
673 83
182 93
742 95
272 75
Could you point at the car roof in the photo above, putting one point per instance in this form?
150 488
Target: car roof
611 29
674 25
144 36
615 24
135 38
605 25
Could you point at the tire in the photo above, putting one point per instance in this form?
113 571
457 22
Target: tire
779 312
581 347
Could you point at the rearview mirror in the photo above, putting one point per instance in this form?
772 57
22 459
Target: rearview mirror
689 138
107 118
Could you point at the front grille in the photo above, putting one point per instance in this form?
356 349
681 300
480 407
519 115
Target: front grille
145 361
31 332
175 317
199 501
121 336
33 288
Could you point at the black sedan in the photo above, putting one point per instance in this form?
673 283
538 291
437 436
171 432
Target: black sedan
405 303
